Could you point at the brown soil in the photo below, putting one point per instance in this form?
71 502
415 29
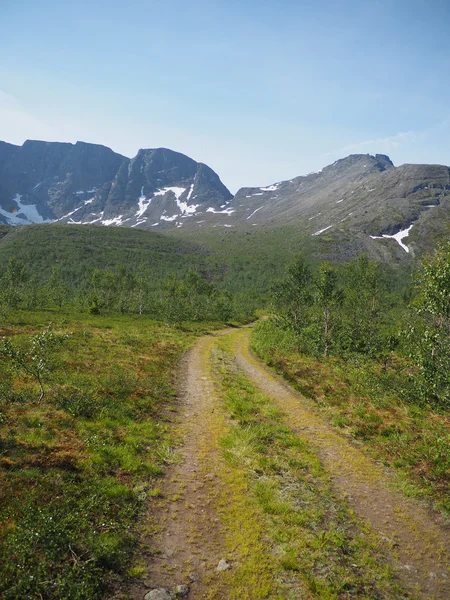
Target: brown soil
184 542
415 538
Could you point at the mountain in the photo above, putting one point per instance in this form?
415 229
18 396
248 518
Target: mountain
359 203
87 183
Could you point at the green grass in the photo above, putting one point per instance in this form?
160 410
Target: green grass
374 406
319 548
76 469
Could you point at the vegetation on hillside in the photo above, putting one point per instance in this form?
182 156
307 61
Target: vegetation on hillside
375 362
174 299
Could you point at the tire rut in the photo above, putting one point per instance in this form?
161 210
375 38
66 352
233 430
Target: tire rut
415 539
185 539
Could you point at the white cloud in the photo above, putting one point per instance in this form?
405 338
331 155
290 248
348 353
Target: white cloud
425 146
385 144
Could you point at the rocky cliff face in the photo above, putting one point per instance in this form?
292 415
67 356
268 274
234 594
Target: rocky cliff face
87 183
41 181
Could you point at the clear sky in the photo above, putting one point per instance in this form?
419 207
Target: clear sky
261 90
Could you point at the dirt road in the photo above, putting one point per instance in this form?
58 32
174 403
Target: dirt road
206 512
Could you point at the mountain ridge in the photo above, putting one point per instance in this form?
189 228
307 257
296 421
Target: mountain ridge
361 200
363 197
89 183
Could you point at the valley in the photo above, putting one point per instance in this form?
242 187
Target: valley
225 300
215 396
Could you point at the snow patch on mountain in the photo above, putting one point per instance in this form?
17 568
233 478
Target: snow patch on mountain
186 209
177 191
255 211
227 211
97 219
270 188
69 214
26 214
398 237
114 221
143 204
322 230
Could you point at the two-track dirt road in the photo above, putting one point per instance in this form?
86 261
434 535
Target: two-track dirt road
189 532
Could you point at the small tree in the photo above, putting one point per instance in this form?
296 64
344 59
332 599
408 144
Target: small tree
125 284
430 334
141 293
174 305
293 297
94 307
56 290
37 358
329 297
362 315
13 282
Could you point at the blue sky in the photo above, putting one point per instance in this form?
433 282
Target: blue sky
259 90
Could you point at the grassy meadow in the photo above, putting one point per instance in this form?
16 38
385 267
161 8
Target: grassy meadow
77 468
92 329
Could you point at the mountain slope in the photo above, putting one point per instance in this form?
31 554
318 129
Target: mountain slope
359 203
76 251
39 181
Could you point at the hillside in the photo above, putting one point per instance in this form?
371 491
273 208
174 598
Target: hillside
76 251
240 261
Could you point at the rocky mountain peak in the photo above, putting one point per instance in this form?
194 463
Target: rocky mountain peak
89 183
384 160
363 162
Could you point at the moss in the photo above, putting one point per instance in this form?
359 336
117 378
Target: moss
313 543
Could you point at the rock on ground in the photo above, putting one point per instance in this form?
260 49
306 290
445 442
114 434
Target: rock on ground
159 594
223 565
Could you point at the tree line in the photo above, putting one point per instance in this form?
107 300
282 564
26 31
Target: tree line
188 297
352 311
